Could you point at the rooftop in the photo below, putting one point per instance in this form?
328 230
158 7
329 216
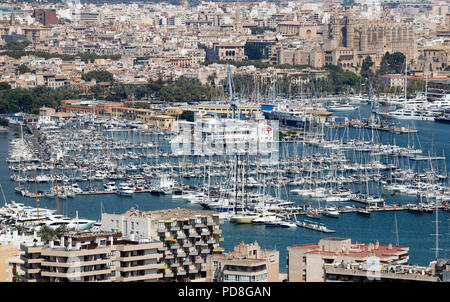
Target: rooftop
176 213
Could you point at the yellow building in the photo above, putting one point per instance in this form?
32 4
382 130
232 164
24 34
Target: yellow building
225 109
7 252
174 111
163 121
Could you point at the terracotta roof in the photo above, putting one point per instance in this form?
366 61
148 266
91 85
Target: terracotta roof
289 23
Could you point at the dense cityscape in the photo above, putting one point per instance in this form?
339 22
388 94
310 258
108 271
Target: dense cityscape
220 141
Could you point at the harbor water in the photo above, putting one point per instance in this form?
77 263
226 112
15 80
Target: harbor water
417 231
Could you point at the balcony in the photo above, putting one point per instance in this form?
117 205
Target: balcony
193 271
181 255
168 238
199 225
187 227
139 267
140 278
187 262
217 232
175 264
181 236
187 245
174 228
168 274
193 253
205 233
162 249
174 246
181 273
193 234
199 260
211 241
200 243
169 256
210 223
162 230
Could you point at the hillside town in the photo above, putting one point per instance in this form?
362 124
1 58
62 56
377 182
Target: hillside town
139 42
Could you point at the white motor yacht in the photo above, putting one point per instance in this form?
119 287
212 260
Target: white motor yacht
341 107
110 186
412 114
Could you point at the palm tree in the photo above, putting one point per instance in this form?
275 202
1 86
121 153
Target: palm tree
62 230
46 233
393 194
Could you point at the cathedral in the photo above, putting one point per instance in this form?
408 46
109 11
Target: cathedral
348 41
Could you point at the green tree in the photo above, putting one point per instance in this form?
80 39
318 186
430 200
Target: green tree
17 45
349 78
187 115
366 69
46 233
392 63
23 69
99 76
4 122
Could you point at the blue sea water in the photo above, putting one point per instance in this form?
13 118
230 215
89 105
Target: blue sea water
415 231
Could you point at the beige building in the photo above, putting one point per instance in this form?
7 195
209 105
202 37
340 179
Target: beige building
434 59
306 262
393 80
293 56
229 51
296 28
7 253
349 40
188 237
247 263
90 257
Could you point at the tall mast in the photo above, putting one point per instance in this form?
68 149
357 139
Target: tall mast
406 76
37 199
230 90
56 182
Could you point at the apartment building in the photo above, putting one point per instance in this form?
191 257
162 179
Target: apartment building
315 262
247 263
188 236
7 253
45 16
92 257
